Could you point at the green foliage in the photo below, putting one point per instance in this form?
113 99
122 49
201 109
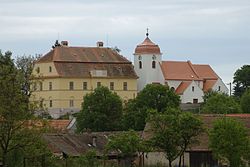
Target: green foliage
153 96
128 143
158 97
241 80
209 94
89 159
173 131
245 101
220 104
101 111
229 141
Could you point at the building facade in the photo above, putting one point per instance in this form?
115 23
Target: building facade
66 74
190 81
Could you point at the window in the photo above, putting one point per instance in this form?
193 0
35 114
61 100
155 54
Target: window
50 103
98 84
192 88
172 88
153 64
71 103
50 69
41 86
50 85
218 88
195 101
111 85
71 85
85 85
140 64
35 86
125 86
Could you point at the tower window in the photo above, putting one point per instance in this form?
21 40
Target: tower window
111 85
140 64
50 69
153 64
218 88
192 88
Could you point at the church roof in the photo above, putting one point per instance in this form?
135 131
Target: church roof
181 70
182 87
208 84
147 47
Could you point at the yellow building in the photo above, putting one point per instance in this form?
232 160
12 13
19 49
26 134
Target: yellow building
66 74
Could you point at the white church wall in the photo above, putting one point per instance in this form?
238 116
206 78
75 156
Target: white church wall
219 86
192 92
173 83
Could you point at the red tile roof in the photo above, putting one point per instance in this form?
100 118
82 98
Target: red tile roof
208 84
182 87
147 47
205 71
83 54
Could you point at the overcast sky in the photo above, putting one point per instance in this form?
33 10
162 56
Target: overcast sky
215 32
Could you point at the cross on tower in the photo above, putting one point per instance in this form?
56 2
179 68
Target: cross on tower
147 33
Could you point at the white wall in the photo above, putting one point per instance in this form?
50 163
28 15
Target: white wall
147 74
189 95
223 87
173 83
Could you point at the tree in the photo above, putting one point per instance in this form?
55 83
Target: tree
173 131
245 101
14 111
101 111
241 80
229 141
220 104
153 96
158 97
128 143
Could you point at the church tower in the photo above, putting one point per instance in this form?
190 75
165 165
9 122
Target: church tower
147 60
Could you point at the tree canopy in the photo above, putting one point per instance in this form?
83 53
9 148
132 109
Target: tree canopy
220 104
173 131
153 96
16 134
245 101
101 111
229 141
241 80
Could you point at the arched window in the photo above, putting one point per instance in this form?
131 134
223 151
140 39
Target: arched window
140 64
153 64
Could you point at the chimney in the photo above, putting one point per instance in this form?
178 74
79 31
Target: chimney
64 43
99 44
94 141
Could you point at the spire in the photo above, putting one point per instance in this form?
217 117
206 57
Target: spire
147 33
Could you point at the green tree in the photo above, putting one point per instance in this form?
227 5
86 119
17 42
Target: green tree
228 141
245 101
220 104
173 131
101 111
153 96
129 144
241 80
15 134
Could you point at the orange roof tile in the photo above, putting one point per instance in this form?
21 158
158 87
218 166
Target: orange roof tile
182 87
147 47
59 124
204 71
178 70
208 84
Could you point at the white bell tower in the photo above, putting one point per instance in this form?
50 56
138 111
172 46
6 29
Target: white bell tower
147 63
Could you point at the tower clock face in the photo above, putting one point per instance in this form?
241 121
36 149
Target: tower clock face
139 57
153 57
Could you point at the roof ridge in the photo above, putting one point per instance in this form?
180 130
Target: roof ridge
192 68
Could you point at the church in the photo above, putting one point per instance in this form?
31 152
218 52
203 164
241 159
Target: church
190 81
